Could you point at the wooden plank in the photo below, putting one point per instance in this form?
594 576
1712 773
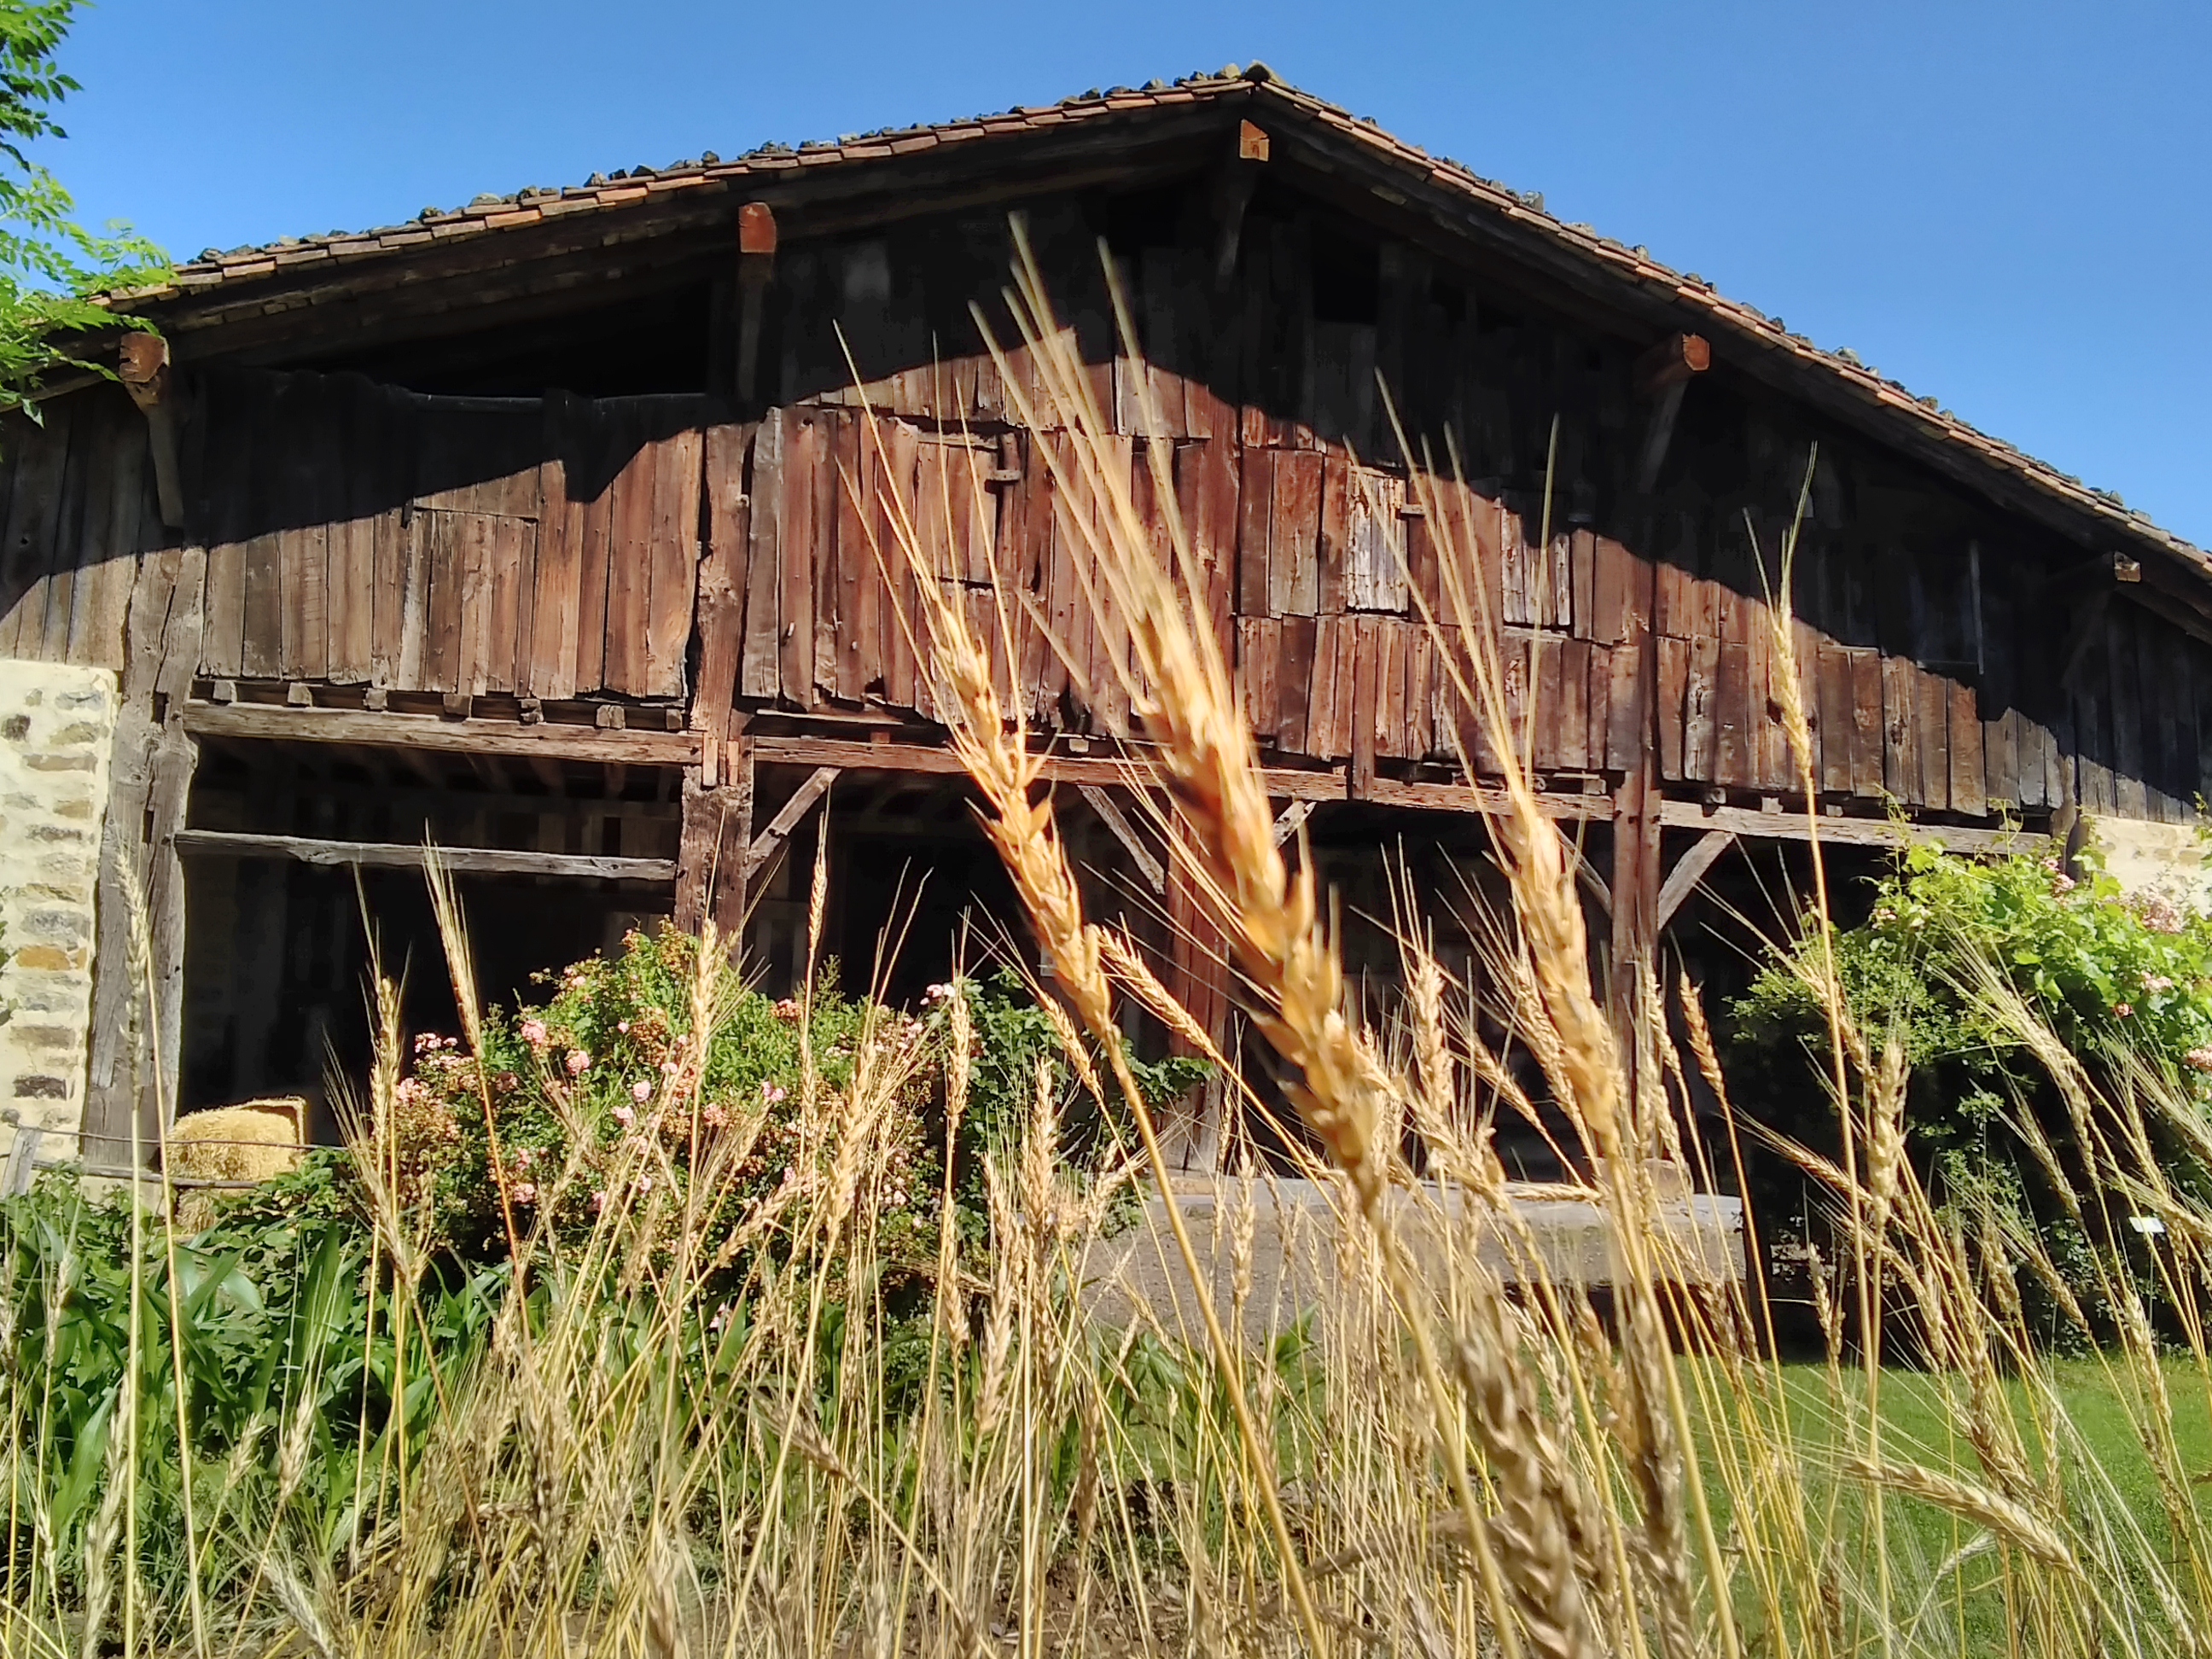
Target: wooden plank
1569 714
761 659
1832 668
382 478
1255 516
461 861
2124 664
1701 711
262 654
1365 644
1297 662
1931 707
39 521
1900 765
1969 797
548 739
1582 586
629 499
1868 746
1674 692
1733 759
722 579
438 538
854 564
673 561
1333 543
1294 535
1752 824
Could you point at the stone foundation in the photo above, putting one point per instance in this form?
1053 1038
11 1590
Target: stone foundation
57 732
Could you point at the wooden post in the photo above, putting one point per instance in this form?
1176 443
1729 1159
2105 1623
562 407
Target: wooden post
729 898
175 760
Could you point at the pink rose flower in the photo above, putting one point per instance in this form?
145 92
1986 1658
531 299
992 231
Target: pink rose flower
525 1193
640 1092
625 1116
534 1033
578 1062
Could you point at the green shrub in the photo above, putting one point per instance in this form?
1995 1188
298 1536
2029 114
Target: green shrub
2123 981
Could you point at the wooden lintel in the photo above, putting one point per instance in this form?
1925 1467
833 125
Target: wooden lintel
1682 880
757 236
1110 812
1745 821
1234 194
393 855
142 365
780 827
547 739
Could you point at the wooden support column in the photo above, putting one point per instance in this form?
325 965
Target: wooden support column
143 366
148 779
175 760
711 863
756 266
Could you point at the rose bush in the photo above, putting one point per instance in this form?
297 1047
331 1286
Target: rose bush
607 1091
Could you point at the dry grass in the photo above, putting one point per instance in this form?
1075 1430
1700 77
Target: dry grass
1440 1467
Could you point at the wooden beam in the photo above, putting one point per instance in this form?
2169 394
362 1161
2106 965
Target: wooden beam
1154 872
390 855
1239 175
780 827
1289 820
755 269
1682 880
1662 373
1468 797
1283 783
1844 832
546 739
143 366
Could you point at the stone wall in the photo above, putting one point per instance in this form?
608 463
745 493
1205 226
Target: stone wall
2156 858
57 730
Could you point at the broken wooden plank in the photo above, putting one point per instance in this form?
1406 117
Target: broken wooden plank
390 855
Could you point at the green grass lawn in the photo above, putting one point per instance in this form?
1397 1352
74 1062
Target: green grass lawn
2098 1452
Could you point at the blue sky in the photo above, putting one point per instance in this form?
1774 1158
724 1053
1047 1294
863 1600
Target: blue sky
2006 206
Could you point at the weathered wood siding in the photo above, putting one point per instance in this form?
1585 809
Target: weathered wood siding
657 548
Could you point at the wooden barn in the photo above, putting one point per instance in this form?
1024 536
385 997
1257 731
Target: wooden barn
520 526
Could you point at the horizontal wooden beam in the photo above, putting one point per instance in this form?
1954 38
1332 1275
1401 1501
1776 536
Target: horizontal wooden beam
1842 832
1283 783
547 740
1464 798
392 855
